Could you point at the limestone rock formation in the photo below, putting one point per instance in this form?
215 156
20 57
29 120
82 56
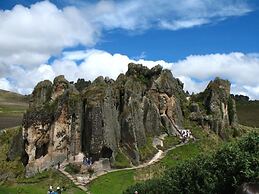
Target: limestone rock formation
106 117
215 108
100 118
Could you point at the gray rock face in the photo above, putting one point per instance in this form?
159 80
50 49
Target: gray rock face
100 118
218 108
106 117
41 93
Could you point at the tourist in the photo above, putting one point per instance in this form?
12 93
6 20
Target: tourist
85 160
50 191
58 190
58 165
90 161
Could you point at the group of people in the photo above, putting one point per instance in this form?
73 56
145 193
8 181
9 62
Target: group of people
185 134
58 190
87 161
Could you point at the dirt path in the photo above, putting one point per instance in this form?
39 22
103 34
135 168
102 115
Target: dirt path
85 180
159 155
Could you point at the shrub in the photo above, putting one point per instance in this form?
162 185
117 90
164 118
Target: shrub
72 168
121 161
147 151
218 172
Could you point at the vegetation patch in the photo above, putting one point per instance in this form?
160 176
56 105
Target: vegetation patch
12 108
9 169
170 141
12 178
72 168
40 184
147 151
121 161
114 182
221 171
247 112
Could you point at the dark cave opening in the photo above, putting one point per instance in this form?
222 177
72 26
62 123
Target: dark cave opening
106 152
41 150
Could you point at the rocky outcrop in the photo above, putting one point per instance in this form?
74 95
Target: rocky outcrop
100 118
107 117
215 108
51 126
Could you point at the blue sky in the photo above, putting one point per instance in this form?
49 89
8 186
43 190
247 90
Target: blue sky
197 39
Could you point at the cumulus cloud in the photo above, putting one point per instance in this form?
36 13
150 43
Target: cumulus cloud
194 71
238 67
31 35
5 84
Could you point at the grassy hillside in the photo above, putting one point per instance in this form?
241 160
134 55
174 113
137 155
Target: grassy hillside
119 181
248 112
12 107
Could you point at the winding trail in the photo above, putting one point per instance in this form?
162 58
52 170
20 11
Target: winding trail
82 181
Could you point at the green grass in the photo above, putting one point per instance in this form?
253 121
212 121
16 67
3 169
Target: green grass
40 184
121 161
72 168
248 112
170 141
12 168
10 102
114 182
147 151
12 107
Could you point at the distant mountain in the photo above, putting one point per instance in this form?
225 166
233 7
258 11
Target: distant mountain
12 108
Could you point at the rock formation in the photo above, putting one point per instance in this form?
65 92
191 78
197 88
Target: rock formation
106 117
215 108
100 118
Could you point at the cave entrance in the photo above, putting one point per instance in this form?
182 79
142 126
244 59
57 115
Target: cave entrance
106 152
41 150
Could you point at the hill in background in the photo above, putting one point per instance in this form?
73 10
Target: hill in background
12 107
247 111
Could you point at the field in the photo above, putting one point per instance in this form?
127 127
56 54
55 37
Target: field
248 112
12 107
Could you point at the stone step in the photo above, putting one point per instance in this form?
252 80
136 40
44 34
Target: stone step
79 185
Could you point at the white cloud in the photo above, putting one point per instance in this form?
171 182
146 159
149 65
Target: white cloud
195 71
172 15
5 84
241 69
29 36
237 67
